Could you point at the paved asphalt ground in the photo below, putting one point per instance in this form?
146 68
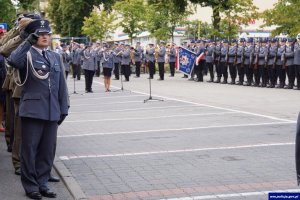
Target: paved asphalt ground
204 141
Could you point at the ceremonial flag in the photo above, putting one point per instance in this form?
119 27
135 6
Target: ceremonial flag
199 58
186 60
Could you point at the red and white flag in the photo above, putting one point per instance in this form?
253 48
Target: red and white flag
199 58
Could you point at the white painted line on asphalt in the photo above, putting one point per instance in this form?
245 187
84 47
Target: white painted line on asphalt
175 129
176 151
99 104
222 108
242 195
85 99
216 107
146 118
134 109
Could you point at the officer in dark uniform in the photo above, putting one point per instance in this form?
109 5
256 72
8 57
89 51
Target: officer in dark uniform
151 60
224 61
249 61
217 60
271 58
232 53
172 59
297 60
161 60
199 69
138 53
43 106
117 59
289 63
280 69
240 61
210 55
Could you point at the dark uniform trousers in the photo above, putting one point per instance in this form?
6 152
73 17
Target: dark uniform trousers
256 75
218 70
263 75
17 136
37 136
232 71
224 70
76 71
280 72
98 71
9 119
291 74
126 71
271 74
199 70
241 72
172 68
138 68
210 68
151 66
297 72
117 71
249 73
89 75
161 68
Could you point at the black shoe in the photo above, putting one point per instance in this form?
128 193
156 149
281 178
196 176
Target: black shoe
288 87
232 83
297 88
115 79
160 79
171 76
18 171
53 179
224 82
34 195
217 81
210 81
48 193
150 78
9 149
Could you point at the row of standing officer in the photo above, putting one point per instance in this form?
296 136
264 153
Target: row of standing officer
262 63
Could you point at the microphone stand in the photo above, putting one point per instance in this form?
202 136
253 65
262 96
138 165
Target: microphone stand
150 98
121 79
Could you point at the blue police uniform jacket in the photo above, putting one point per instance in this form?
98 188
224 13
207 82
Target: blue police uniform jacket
89 60
150 55
138 54
108 60
297 53
41 99
161 54
172 55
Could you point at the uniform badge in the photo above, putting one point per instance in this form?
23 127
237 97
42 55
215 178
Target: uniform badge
43 66
40 72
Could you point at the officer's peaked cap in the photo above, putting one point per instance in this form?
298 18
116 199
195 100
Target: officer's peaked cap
39 26
298 36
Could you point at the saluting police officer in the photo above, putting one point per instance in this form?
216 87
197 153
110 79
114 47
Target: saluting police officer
43 106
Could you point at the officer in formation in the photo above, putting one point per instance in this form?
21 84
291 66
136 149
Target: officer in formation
125 62
138 56
161 60
262 63
150 59
44 91
172 59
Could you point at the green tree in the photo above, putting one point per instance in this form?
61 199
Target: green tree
8 12
99 24
241 10
68 15
284 15
197 29
132 16
29 5
163 16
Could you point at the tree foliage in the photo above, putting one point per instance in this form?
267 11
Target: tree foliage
29 5
98 25
284 15
163 16
233 12
68 15
8 12
132 16
197 29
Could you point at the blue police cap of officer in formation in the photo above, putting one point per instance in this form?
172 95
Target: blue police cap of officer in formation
225 41
250 40
39 26
242 40
283 39
290 40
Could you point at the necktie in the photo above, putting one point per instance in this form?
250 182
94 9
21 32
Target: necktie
44 55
